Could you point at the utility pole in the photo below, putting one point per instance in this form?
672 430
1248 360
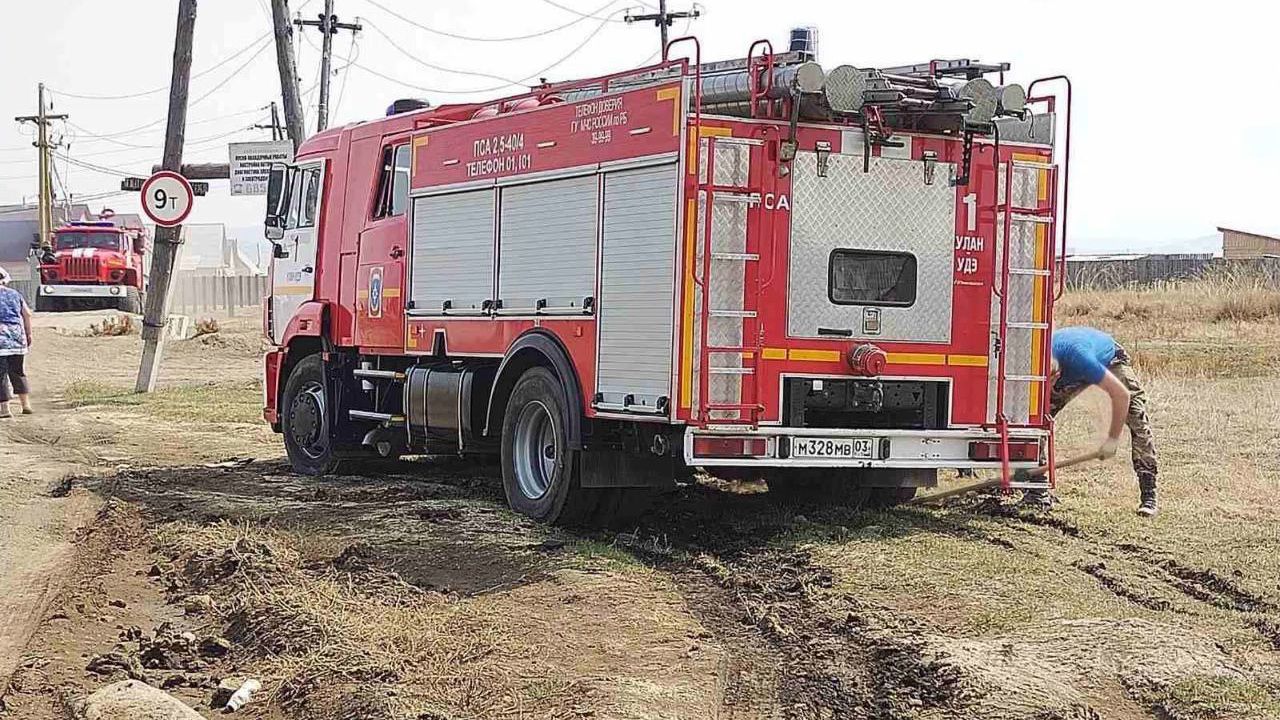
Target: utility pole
168 239
288 71
329 26
274 127
663 19
42 119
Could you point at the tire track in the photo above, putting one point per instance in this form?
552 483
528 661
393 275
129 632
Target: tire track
1202 585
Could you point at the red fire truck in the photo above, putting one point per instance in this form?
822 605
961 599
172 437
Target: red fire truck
839 281
94 264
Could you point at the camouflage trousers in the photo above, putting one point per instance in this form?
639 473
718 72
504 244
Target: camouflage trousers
1144 444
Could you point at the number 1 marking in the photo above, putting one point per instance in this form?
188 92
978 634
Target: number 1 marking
971 212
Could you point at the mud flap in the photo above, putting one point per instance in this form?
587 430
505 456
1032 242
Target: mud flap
618 468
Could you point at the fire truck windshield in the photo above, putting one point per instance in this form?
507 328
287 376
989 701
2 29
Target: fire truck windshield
99 240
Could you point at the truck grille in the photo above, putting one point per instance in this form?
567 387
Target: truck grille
81 268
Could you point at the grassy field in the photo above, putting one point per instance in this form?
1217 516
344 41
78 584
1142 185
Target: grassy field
413 592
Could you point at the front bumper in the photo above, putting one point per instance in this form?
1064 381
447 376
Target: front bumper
271 362
93 291
901 449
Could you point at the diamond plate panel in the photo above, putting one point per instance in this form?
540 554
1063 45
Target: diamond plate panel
890 208
733 162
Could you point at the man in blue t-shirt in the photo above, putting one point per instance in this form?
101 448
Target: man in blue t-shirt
1083 356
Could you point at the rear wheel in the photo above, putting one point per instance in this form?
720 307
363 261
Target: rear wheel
305 419
539 471
541 475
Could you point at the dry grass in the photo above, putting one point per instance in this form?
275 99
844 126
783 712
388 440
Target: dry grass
330 642
1225 296
1221 327
1209 355
225 402
206 326
113 326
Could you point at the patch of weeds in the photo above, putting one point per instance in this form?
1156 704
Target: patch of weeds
595 552
239 402
1217 698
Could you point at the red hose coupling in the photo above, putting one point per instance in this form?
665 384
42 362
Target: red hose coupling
867 360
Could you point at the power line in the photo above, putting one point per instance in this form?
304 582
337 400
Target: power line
208 139
352 54
165 87
110 138
457 36
424 63
568 9
104 169
157 121
537 74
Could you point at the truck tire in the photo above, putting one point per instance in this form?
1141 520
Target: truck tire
540 474
131 302
304 419
44 303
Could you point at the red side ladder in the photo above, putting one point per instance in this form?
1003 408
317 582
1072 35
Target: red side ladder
711 307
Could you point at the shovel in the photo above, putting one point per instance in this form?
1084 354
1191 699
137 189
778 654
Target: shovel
985 484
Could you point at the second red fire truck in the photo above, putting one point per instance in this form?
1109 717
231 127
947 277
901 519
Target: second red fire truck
94 264
839 281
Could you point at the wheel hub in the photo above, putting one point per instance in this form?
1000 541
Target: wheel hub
307 424
536 455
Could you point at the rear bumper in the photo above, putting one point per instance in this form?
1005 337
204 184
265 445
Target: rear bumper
93 291
901 449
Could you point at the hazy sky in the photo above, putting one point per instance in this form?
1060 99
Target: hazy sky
1178 106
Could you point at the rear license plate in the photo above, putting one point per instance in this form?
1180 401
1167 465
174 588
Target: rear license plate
846 448
77 290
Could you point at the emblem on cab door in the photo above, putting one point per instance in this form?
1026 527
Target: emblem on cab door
375 292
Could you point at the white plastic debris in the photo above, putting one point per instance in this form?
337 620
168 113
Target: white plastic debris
241 697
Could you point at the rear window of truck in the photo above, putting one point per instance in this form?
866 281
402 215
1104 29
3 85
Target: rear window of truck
871 277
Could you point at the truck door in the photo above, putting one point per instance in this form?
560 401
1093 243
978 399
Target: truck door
293 277
380 262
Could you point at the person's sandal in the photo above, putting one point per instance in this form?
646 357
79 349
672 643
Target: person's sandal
5 414
28 411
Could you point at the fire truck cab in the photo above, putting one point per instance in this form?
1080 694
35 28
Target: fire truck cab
840 282
93 264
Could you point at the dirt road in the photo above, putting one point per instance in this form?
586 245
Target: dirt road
407 590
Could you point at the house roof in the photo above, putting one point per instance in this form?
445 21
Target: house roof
1250 234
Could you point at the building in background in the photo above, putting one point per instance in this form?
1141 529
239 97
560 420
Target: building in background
1241 245
208 250
19 230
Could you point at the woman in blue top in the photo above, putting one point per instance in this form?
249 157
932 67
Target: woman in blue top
15 340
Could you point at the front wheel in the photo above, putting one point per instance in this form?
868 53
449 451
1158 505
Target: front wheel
132 301
305 416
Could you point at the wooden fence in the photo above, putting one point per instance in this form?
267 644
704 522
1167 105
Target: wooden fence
1155 269
195 294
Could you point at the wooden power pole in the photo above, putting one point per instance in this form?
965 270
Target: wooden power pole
288 71
42 118
663 20
329 26
168 239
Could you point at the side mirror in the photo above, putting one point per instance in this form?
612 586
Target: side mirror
277 201
274 229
